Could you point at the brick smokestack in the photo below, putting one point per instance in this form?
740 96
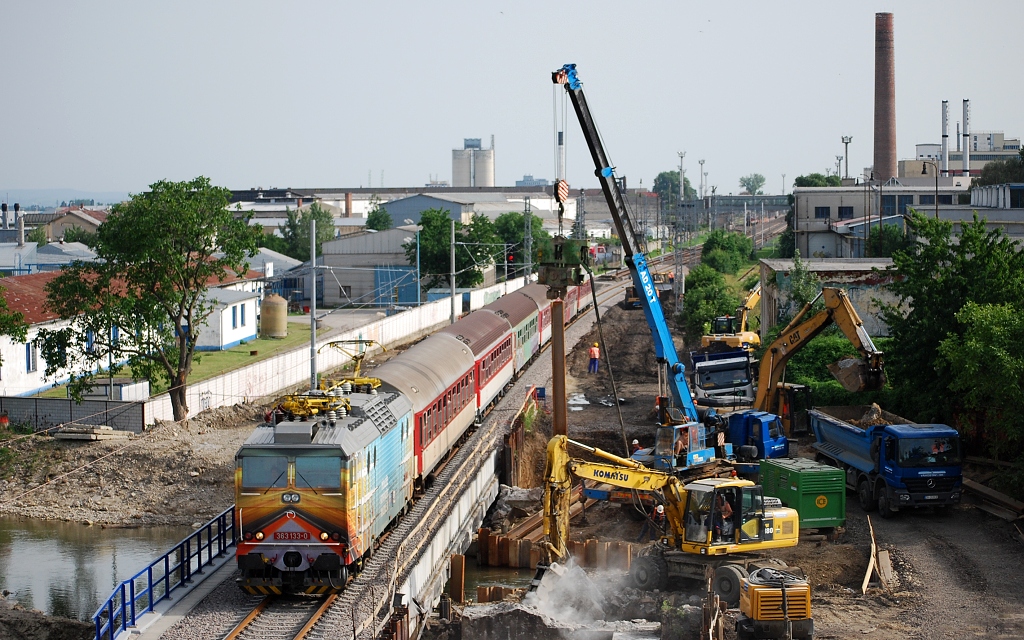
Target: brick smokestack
885 99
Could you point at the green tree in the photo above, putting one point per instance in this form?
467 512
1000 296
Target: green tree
1002 172
511 230
378 218
726 251
295 230
804 284
666 185
936 277
144 302
272 241
887 242
986 365
753 183
77 234
817 180
472 254
707 297
787 241
37 235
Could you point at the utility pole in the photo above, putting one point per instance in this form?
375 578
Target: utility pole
839 165
682 176
528 238
846 152
783 184
312 305
451 275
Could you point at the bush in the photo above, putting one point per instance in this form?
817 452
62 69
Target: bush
723 261
706 298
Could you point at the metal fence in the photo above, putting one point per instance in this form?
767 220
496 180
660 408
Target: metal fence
140 593
46 413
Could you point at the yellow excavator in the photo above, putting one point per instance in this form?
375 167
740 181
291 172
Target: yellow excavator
730 332
855 374
700 533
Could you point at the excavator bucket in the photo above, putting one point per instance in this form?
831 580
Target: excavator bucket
855 375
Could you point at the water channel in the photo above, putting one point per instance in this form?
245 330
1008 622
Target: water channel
67 569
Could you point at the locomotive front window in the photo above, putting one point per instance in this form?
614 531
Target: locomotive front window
264 472
319 472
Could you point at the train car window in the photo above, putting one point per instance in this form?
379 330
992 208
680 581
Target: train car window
317 472
264 472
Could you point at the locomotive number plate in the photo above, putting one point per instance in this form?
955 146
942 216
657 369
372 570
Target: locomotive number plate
291 535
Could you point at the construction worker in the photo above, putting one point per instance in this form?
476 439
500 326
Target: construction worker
636 445
595 358
653 526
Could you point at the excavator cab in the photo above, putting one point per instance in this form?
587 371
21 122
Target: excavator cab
725 515
725 324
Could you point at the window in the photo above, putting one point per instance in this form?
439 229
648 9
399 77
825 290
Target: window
90 341
845 213
345 291
945 199
822 212
929 199
31 357
317 472
888 205
264 472
115 334
243 314
234 317
905 202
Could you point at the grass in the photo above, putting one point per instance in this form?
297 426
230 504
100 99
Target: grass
213 363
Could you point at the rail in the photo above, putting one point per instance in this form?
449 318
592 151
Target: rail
140 593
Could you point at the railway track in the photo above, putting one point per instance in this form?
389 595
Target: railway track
355 611
281 618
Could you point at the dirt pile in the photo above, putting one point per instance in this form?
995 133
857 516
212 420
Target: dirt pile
872 417
173 474
18 622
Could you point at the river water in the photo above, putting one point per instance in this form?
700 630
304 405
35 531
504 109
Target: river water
68 569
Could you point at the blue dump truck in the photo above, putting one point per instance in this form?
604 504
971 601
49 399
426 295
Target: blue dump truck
891 463
755 436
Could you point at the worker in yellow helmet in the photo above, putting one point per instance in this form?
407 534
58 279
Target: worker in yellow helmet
595 358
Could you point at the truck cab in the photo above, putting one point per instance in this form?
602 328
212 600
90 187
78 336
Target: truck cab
757 435
921 464
723 379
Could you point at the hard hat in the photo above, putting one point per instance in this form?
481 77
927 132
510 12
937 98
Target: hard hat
661 509
595 344
636 442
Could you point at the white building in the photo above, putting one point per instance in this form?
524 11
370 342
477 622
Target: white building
233 319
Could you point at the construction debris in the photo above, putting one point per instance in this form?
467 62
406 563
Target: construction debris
92 432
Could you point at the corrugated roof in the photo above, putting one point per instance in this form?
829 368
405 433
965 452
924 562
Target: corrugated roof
26 294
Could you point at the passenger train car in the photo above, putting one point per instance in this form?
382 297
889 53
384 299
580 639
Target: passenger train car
312 498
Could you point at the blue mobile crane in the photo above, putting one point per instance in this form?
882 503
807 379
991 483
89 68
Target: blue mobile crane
681 442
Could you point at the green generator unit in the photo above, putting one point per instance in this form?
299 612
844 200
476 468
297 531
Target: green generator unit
815 490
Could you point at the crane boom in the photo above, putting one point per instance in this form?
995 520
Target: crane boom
633 246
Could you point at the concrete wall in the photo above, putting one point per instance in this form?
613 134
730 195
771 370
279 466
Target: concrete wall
864 285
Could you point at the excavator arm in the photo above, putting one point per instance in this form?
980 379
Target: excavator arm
753 297
855 375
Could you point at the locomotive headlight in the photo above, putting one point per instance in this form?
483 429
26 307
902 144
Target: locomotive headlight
259 535
324 536
290 498
335 536
247 535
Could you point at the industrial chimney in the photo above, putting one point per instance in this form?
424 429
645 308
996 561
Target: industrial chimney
967 138
3 209
21 224
885 99
945 138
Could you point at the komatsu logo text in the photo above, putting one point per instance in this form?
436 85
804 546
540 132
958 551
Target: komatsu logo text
611 475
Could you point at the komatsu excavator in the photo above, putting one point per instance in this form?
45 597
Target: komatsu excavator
700 530
730 332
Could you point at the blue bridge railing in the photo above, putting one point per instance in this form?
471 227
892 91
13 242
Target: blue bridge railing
140 593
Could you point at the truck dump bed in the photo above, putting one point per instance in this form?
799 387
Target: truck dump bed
843 432
862 415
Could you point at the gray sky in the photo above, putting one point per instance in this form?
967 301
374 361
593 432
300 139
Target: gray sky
111 96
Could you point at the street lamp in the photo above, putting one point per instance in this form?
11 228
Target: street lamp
846 152
924 172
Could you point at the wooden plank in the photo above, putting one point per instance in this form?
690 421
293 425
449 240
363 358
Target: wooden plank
991 494
885 569
997 511
457 583
481 594
502 551
513 552
492 550
482 535
871 560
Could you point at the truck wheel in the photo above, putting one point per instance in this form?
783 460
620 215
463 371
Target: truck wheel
727 583
649 573
883 505
864 493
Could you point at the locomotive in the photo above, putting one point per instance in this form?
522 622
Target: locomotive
313 496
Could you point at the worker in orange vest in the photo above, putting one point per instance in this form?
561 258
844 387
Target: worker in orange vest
595 358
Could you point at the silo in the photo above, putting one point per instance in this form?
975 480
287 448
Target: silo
274 317
483 168
462 167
